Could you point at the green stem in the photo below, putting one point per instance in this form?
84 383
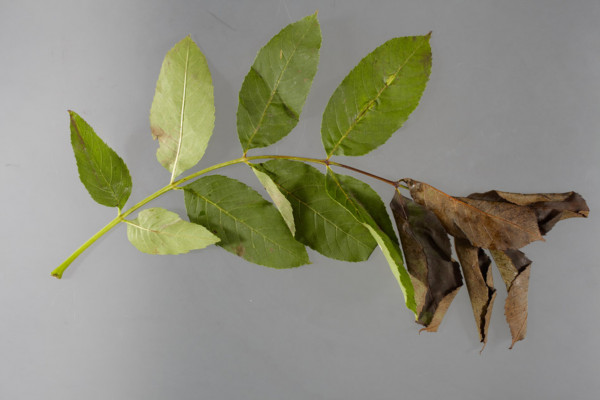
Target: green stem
58 272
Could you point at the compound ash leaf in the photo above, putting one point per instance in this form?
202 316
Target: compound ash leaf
101 170
515 268
159 231
435 275
321 222
247 224
182 116
274 91
487 224
376 97
480 285
365 204
549 208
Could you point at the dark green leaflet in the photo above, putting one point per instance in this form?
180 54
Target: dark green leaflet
321 223
247 224
274 91
376 97
101 170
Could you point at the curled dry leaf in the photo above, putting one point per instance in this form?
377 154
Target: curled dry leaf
436 277
515 269
487 224
478 275
549 208
502 222
514 266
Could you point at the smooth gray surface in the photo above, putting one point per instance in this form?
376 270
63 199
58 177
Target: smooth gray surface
513 104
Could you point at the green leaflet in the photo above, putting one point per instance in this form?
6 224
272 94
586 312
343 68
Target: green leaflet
366 206
158 231
275 89
182 116
361 200
282 204
376 97
321 223
101 170
247 224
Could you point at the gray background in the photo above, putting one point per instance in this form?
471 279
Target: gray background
513 104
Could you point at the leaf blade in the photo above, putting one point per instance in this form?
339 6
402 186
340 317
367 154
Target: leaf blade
515 269
182 115
248 225
436 276
476 269
376 97
321 223
159 231
361 200
274 91
549 208
280 201
103 173
490 225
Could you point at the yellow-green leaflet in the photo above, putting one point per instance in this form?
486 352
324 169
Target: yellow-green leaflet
282 204
183 110
159 231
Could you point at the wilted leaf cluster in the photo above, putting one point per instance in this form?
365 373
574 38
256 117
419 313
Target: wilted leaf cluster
336 215
500 222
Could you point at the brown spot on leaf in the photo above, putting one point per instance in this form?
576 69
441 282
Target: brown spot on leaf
426 59
158 133
240 250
